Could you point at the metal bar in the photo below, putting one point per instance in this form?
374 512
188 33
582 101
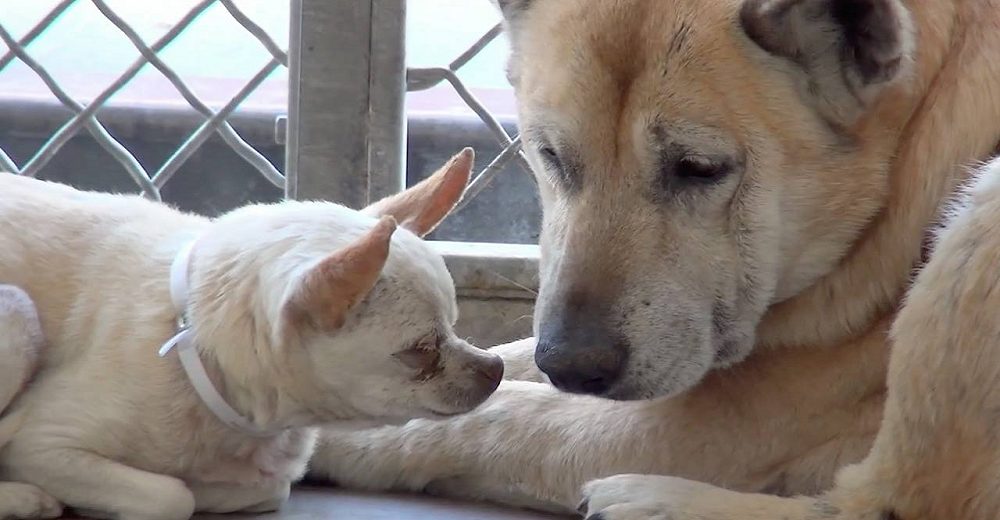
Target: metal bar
7 164
429 77
489 173
328 123
387 104
69 129
491 122
37 30
101 135
228 133
425 78
257 32
476 47
196 139
291 137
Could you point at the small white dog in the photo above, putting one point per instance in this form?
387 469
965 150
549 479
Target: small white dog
188 361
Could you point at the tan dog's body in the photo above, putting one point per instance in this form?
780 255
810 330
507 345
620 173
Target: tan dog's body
827 136
303 313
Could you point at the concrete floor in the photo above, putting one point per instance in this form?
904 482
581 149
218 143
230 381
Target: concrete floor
336 504
330 504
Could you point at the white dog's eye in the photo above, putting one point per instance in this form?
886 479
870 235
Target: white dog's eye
417 358
429 341
424 357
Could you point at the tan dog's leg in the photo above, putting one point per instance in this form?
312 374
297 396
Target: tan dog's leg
937 456
20 342
531 445
434 454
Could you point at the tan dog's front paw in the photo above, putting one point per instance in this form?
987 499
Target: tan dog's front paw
636 497
27 502
650 497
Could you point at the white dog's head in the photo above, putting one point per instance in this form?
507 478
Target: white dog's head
339 310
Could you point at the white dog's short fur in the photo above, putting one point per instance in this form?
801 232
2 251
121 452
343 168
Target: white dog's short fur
20 345
303 313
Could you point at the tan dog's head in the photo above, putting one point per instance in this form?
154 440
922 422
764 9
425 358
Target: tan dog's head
342 310
698 161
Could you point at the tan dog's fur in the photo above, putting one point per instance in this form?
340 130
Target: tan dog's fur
303 314
841 147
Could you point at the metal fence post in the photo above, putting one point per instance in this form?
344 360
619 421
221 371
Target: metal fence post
346 96
387 106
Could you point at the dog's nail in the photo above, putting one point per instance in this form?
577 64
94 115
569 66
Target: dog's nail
583 506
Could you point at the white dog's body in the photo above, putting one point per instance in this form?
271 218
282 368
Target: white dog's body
20 345
103 387
292 336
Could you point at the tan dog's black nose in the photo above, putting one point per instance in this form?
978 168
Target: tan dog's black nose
581 359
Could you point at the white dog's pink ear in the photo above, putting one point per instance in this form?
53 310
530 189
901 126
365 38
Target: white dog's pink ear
328 291
421 208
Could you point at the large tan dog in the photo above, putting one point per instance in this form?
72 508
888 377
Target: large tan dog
298 315
737 194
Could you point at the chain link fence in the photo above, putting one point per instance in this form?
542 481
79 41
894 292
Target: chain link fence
355 51
425 78
344 135
86 116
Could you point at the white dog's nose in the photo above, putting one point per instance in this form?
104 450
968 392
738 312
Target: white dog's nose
491 372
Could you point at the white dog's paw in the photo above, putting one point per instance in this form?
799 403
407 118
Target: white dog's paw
274 503
639 497
24 501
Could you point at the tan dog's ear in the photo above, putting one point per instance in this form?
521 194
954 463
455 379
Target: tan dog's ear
328 290
512 9
850 49
421 208
513 12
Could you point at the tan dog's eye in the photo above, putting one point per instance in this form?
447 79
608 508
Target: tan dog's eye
551 157
560 169
698 170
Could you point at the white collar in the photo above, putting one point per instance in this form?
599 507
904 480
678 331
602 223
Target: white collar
188 354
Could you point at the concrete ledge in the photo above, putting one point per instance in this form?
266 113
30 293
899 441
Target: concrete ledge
496 285
495 270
